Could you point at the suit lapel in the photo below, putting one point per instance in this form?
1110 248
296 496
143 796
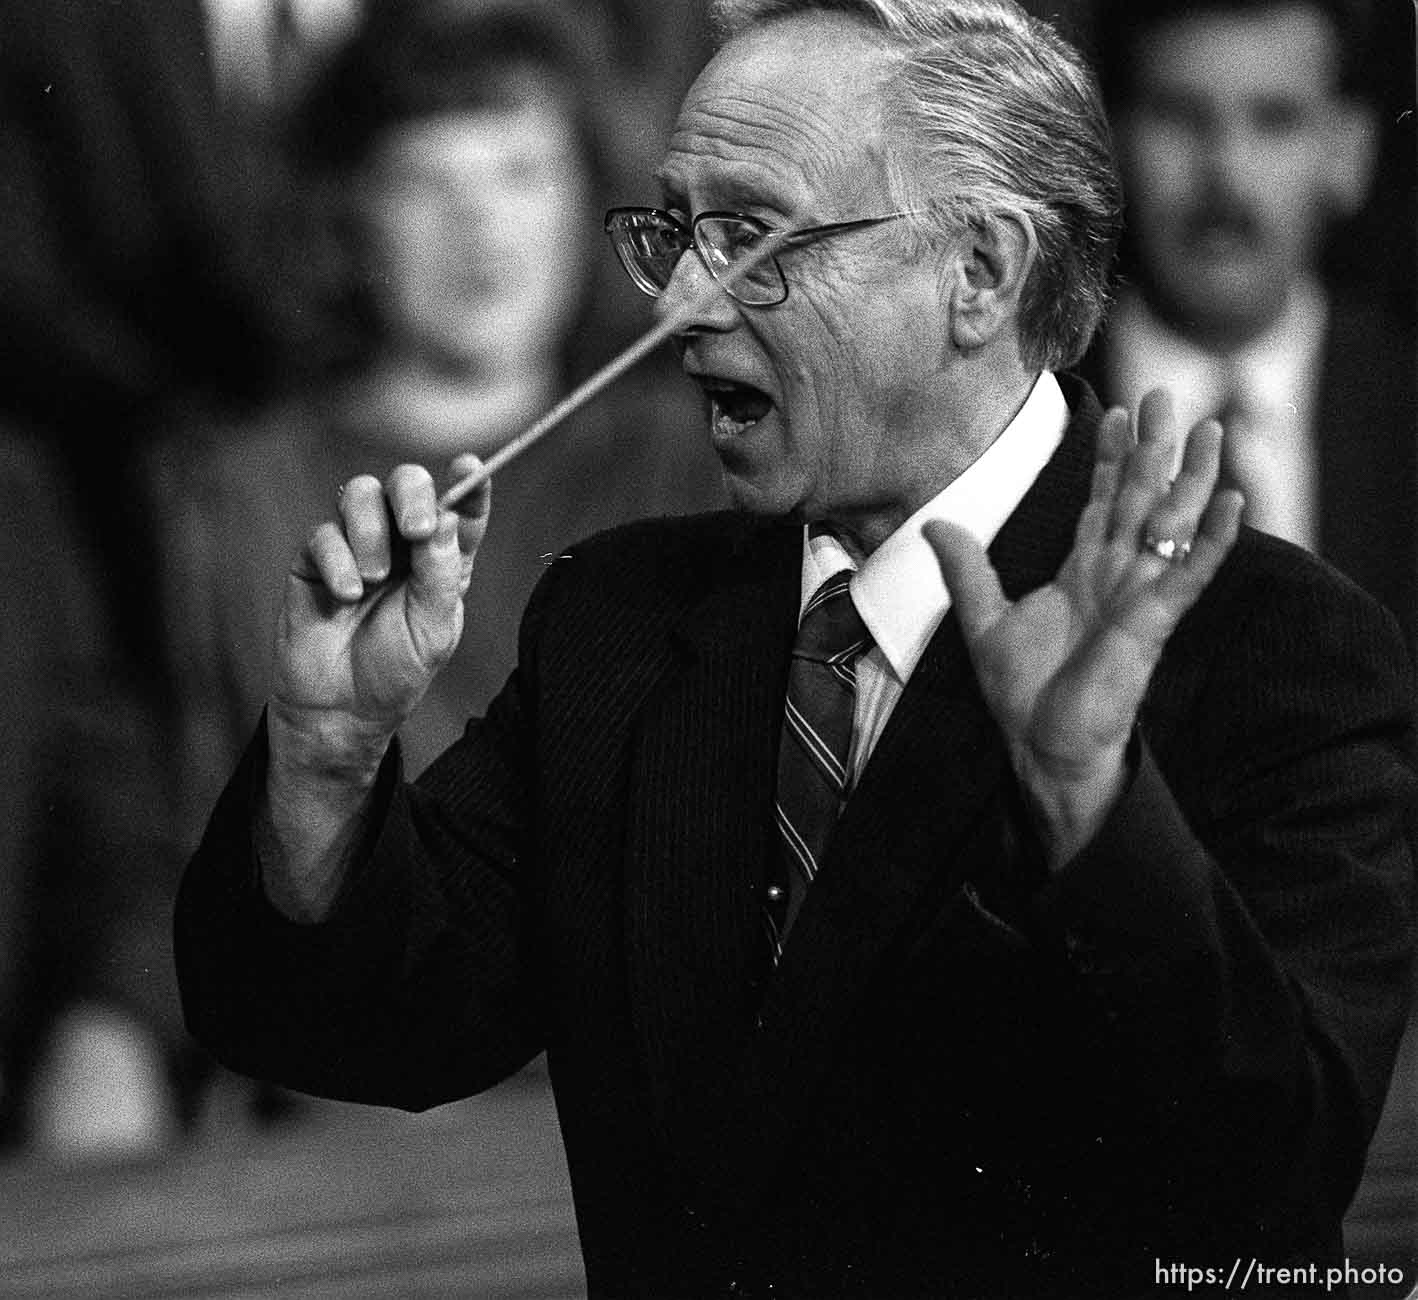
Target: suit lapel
902 846
940 738
728 1091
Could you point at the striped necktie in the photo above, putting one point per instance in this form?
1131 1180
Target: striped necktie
813 780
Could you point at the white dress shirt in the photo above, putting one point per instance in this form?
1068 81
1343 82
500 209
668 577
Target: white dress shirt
1269 387
899 590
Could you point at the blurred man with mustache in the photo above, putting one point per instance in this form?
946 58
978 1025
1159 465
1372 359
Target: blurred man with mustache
1244 140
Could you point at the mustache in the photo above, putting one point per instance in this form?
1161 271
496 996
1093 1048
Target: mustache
1221 214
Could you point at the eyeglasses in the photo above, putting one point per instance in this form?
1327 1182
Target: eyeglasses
649 243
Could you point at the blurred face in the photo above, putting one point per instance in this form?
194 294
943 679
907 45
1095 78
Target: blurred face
480 221
1234 153
828 405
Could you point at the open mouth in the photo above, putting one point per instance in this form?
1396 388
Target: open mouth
734 407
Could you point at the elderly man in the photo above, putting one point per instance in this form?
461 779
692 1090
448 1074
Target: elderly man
964 870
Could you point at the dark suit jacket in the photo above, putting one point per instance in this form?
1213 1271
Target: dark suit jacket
965 1078
1367 418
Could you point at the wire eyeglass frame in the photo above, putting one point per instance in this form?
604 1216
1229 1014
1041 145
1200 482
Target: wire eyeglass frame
623 224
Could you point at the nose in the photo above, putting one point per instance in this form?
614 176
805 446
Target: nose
1230 155
695 299
467 214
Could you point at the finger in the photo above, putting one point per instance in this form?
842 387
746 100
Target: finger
436 586
1202 460
475 509
1220 526
1178 514
1156 421
974 586
1181 584
366 523
327 558
1157 430
412 501
1115 439
1114 443
1145 480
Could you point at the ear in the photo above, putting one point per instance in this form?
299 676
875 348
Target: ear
1353 149
988 268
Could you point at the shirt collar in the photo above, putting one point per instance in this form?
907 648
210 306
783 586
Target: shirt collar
899 590
1279 368
1274 370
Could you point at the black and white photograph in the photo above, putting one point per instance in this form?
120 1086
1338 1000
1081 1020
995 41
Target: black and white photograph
709 649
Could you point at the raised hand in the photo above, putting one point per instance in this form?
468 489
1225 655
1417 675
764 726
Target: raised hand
1064 669
373 606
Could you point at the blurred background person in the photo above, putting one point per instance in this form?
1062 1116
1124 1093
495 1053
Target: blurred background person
248 246
1247 145
131 256
456 158
1267 275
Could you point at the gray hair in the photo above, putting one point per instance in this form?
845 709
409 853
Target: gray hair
994 113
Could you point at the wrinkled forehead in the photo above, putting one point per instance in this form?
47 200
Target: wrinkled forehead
788 116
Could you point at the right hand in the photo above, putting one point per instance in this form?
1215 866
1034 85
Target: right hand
373 609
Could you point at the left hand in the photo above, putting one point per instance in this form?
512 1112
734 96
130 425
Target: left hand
1064 669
